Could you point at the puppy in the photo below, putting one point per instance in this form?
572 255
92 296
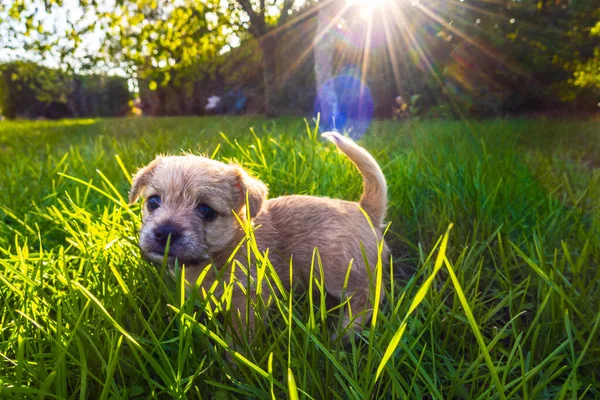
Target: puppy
198 203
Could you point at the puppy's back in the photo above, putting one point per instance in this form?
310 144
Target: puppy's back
297 224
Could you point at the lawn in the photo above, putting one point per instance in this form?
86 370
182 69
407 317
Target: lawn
504 305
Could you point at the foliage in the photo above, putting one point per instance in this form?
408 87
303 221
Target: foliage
472 57
532 48
99 96
237 70
29 90
511 313
159 41
588 73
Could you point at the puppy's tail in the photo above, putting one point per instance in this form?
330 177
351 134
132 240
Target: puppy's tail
374 197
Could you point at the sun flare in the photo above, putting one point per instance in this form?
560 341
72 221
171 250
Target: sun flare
367 3
366 8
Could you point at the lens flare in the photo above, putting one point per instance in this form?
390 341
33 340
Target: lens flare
344 103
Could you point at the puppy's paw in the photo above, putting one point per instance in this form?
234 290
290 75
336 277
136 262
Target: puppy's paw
343 340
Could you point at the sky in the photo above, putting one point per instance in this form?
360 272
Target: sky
58 20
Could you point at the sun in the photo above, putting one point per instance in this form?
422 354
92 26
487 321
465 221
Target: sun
366 8
367 3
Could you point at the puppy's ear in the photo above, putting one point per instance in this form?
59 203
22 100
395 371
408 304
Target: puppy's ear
253 188
141 179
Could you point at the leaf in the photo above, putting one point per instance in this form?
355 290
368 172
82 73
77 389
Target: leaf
416 301
476 331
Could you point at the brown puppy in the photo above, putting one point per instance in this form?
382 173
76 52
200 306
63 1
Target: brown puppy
193 199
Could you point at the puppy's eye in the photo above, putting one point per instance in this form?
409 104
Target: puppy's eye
153 202
207 213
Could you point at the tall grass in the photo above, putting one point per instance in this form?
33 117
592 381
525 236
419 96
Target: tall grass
504 305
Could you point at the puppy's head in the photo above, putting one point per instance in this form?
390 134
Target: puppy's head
192 200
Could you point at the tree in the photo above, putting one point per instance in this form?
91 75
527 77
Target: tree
27 90
165 48
151 35
267 21
542 51
155 35
153 39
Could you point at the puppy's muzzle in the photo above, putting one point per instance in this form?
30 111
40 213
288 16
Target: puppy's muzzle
162 234
180 244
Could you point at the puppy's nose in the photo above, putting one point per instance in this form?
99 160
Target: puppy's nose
161 234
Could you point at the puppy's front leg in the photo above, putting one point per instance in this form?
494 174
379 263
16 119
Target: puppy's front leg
242 314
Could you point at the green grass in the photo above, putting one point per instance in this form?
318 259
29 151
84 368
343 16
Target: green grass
504 305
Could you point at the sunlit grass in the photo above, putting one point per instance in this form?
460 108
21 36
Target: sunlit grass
504 305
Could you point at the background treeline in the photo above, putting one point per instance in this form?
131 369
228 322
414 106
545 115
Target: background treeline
452 58
29 90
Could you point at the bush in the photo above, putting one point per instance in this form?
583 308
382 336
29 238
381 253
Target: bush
99 96
29 90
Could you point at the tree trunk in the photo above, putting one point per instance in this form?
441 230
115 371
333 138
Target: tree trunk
268 46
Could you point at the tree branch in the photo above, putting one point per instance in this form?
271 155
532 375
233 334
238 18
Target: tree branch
257 23
285 12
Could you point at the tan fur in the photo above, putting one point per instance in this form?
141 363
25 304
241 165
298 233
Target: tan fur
288 226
